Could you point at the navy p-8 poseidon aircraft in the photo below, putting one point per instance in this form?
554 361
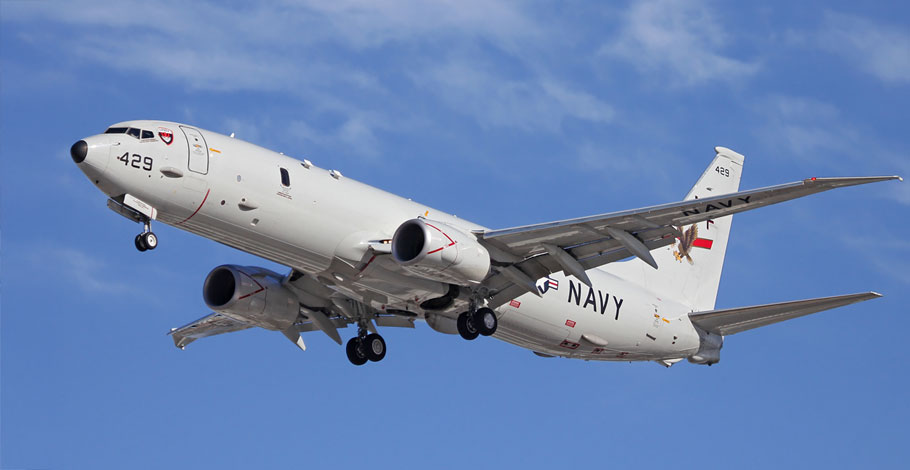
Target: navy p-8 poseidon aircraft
634 285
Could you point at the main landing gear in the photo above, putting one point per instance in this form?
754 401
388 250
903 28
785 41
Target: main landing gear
146 240
365 347
479 322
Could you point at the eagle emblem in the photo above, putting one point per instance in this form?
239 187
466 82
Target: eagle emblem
166 135
685 243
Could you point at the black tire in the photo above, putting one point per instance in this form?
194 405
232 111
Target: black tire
467 327
150 240
374 347
355 351
485 319
140 243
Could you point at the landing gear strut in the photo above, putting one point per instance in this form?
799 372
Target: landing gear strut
479 322
146 240
365 347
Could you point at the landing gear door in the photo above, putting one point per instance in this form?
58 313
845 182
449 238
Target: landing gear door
198 151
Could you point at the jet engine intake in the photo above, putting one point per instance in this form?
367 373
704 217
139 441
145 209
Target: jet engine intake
437 251
251 294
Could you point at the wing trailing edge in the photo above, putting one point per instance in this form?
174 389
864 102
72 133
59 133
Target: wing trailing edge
735 320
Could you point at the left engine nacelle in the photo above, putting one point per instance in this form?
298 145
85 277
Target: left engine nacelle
441 252
251 294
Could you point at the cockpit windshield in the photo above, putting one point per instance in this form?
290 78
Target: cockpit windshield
131 131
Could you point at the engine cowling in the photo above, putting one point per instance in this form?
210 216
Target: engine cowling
441 252
251 294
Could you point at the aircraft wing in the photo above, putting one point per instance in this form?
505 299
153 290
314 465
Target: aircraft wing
530 252
734 320
214 324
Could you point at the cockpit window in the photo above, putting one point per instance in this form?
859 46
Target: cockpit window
133 132
148 135
115 130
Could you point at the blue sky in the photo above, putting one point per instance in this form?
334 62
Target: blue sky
505 114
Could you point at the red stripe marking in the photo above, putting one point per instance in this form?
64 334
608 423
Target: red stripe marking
197 209
443 234
368 264
257 283
703 243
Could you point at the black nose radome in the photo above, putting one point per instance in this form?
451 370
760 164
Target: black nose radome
78 151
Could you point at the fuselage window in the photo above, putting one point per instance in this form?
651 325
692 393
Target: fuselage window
116 130
285 178
148 135
133 132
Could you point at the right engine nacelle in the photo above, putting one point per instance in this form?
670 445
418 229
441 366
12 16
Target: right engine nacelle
251 294
441 252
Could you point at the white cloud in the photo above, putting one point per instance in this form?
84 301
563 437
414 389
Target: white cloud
878 49
681 39
805 128
356 134
883 251
88 273
808 130
370 24
324 55
478 89
263 47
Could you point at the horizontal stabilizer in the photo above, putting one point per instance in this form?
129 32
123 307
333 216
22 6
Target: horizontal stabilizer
735 320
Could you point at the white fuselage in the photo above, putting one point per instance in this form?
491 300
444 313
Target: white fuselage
317 221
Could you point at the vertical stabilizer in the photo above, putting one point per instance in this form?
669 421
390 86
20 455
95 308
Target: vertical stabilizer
689 270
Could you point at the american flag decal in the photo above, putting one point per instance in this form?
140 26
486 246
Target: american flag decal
703 243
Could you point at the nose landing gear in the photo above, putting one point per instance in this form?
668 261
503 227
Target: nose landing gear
146 240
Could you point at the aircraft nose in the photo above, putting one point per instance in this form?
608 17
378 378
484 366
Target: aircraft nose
79 151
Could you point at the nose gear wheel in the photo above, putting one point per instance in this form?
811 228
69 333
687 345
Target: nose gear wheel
146 240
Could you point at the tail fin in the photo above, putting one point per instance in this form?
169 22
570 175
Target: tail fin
689 270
